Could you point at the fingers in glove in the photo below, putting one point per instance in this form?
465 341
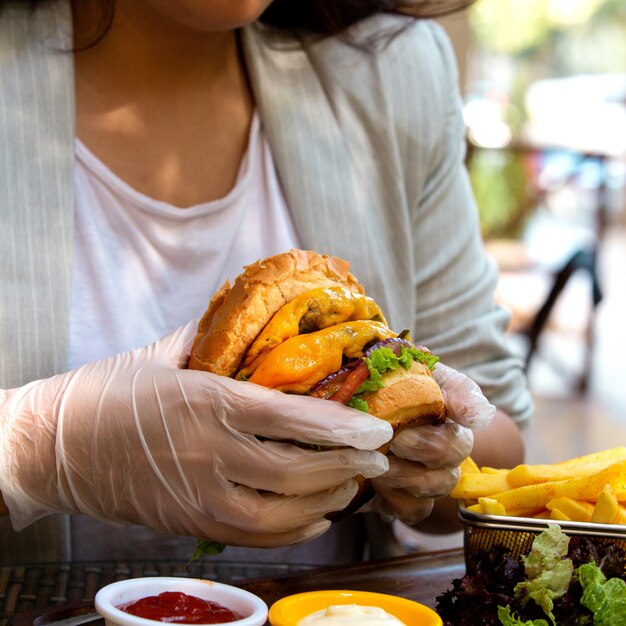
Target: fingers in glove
443 445
281 416
465 401
402 505
237 515
417 479
288 469
253 512
231 537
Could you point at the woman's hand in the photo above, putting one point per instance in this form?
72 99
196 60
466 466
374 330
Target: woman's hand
424 461
137 439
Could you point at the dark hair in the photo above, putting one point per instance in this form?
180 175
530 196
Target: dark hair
329 17
321 17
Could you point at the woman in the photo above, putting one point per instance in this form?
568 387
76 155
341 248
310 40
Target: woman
177 142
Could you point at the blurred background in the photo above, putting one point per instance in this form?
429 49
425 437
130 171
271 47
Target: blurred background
544 87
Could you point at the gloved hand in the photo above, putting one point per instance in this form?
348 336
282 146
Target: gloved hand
424 461
135 438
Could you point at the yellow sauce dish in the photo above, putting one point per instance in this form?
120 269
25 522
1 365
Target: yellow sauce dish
292 610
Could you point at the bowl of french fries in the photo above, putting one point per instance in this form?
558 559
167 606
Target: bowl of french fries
585 496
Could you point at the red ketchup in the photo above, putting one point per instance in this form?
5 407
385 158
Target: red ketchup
174 606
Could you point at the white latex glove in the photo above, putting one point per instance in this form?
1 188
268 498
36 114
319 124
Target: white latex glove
424 461
137 439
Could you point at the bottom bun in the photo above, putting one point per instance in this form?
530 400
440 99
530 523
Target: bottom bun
409 398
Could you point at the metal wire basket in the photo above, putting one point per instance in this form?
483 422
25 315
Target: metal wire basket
483 532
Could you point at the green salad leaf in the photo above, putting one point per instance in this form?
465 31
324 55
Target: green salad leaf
605 598
356 402
507 618
379 362
384 359
423 356
206 547
548 572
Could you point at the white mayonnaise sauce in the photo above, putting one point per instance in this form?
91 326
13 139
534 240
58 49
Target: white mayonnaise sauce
350 615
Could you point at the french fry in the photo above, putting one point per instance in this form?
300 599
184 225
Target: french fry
589 488
528 500
468 466
580 466
574 509
493 470
620 518
610 454
479 485
557 514
606 507
491 506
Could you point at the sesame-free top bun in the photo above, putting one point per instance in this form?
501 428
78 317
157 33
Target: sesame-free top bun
409 398
238 313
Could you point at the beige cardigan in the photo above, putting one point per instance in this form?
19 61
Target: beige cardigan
369 150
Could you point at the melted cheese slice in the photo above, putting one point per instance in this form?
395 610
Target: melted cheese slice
311 311
296 364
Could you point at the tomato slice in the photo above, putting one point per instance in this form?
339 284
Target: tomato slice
352 382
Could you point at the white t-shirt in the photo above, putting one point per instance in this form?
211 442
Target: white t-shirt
143 267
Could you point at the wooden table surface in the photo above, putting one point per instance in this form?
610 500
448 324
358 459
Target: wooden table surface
419 577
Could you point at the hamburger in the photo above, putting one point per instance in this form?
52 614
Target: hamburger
301 323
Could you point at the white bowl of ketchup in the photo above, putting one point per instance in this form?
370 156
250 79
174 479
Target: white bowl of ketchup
146 601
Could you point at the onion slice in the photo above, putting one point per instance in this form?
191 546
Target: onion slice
331 384
395 344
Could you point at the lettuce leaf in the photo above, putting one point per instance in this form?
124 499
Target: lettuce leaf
423 356
548 572
508 618
378 362
206 547
384 360
605 598
357 402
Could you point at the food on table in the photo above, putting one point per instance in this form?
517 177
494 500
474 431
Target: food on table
180 608
590 488
562 581
300 322
350 615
